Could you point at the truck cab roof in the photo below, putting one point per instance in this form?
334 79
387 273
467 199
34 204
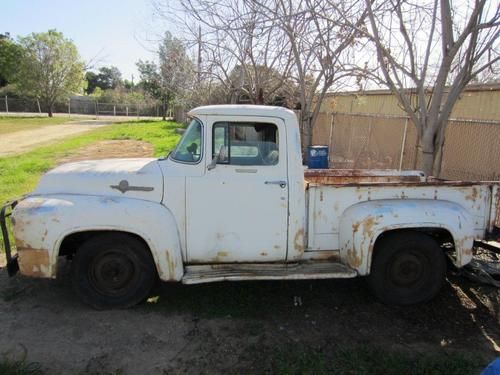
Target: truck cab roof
244 110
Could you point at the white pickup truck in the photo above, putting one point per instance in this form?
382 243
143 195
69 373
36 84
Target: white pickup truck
234 202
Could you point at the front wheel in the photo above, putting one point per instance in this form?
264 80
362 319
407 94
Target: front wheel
113 271
407 268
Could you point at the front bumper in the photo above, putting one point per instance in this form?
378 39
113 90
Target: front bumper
12 262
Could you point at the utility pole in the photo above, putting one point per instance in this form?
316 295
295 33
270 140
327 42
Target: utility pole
199 55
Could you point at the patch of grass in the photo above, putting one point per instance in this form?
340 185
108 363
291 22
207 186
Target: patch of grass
19 174
9 366
372 361
13 124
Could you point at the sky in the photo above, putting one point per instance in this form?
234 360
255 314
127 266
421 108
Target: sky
111 32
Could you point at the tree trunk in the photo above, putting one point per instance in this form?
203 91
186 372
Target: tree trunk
164 108
438 160
49 110
306 132
427 152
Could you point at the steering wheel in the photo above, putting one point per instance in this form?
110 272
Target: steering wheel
192 148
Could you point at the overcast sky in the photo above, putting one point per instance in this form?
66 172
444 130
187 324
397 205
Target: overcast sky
119 32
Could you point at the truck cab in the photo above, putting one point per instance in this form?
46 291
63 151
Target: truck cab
229 182
233 202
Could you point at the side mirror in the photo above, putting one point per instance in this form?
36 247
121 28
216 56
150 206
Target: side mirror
220 156
213 163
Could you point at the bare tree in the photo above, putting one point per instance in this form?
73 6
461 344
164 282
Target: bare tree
240 50
427 52
245 43
320 34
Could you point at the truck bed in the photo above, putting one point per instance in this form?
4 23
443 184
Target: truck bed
331 191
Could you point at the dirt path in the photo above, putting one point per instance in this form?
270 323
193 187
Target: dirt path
25 140
111 149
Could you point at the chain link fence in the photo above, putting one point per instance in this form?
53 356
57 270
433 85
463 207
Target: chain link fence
359 140
79 106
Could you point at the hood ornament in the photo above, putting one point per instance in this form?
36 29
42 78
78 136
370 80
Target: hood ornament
123 186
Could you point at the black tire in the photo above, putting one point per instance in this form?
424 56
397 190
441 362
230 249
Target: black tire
407 268
112 271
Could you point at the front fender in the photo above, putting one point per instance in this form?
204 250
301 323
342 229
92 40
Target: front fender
42 222
361 224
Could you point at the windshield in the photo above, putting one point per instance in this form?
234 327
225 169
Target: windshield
189 148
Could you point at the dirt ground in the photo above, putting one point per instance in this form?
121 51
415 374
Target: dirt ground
239 327
235 327
112 149
25 140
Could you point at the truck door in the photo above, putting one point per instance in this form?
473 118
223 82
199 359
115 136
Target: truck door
238 211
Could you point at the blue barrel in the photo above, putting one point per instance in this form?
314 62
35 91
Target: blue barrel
317 157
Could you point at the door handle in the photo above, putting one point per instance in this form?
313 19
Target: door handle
282 184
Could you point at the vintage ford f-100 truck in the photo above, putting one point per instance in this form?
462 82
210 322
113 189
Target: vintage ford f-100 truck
234 202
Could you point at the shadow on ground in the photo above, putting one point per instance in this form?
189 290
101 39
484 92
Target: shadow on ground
246 327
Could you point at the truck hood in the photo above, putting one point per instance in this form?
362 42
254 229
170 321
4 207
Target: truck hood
130 178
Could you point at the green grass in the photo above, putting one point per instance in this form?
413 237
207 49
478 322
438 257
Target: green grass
14 124
368 360
9 366
19 174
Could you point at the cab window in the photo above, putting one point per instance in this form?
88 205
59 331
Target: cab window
189 149
245 143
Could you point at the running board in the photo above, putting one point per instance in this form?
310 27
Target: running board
277 271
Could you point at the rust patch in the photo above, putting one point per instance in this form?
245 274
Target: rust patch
222 254
45 234
264 254
472 196
298 241
353 258
276 247
34 262
368 224
331 256
355 227
170 265
20 244
321 196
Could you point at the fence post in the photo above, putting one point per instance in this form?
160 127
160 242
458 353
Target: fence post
126 110
114 110
69 107
6 104
138 111
38 104
96 111
403 142
330 140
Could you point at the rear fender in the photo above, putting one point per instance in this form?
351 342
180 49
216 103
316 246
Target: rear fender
363 223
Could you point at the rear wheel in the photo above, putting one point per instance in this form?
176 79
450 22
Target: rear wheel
407 268
113 271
